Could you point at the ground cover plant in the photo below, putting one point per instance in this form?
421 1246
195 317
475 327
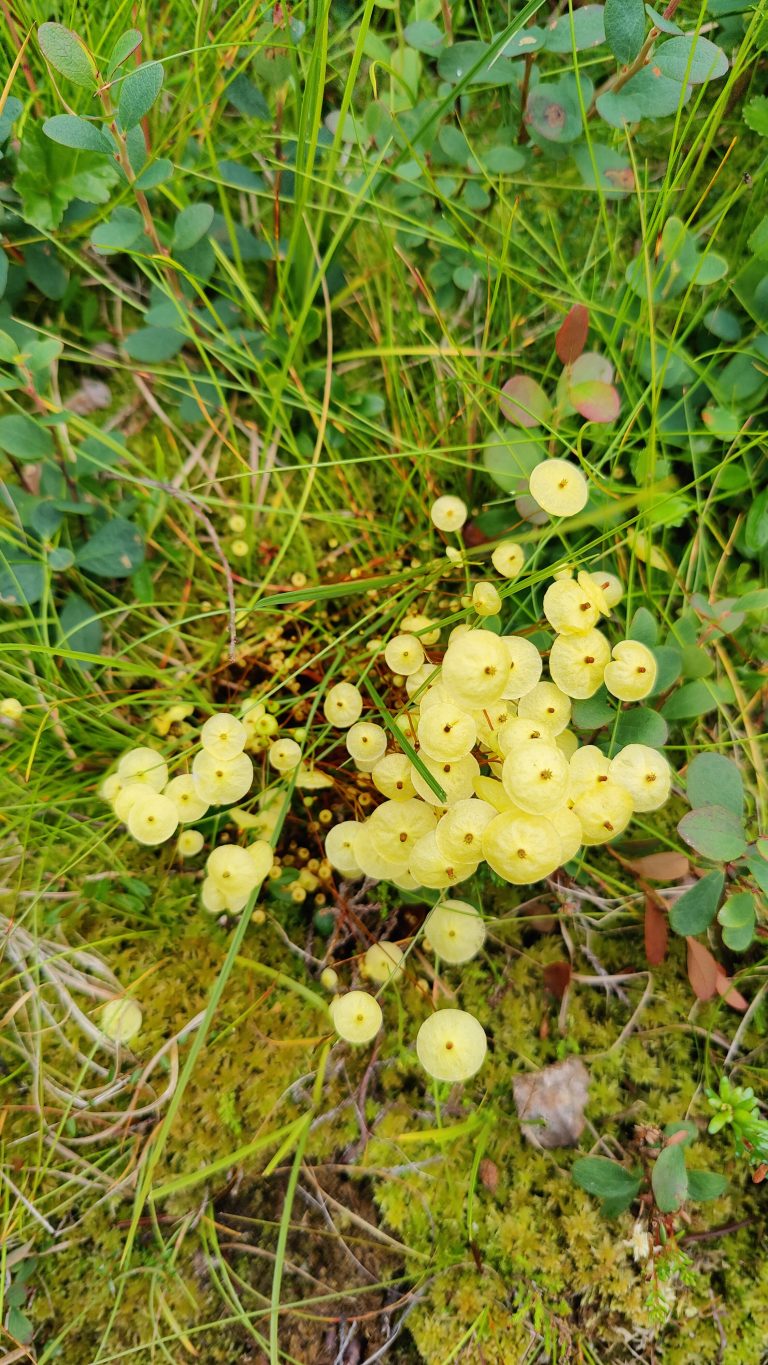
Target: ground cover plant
383 533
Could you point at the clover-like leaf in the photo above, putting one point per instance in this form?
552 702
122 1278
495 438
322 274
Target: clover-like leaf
714 832
737 918
695 910
711 775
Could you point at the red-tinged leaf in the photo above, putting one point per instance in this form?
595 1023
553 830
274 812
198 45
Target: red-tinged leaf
703 970
596 401
656 933
571 336
730 995
524 402
489 1174
557 976
662 867
471 534
591 365
678 1139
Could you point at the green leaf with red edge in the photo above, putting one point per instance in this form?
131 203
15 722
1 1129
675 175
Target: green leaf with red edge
524 402
596 401
669 1179
714 832
571 336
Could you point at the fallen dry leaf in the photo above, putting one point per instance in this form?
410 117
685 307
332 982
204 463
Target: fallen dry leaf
550 1103
662 867
702 970
656 933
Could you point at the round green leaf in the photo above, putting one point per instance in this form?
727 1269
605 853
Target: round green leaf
192 224
583 28
714 832
553 112
641 726
737 918
695 910
669 1179
692 699
425 36
24 437
715 775
502 160
80 629
511 460
60 558
648 94
114 551
690 59
456 61
66 53
119 232
22 581
151 345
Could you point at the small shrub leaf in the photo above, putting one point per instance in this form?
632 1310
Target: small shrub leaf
704 1185
625 28
605 1178
70 131
114 551
138 93
25 438
66 53
125 45
669 1179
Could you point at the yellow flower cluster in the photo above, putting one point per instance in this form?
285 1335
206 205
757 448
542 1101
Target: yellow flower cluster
510 784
